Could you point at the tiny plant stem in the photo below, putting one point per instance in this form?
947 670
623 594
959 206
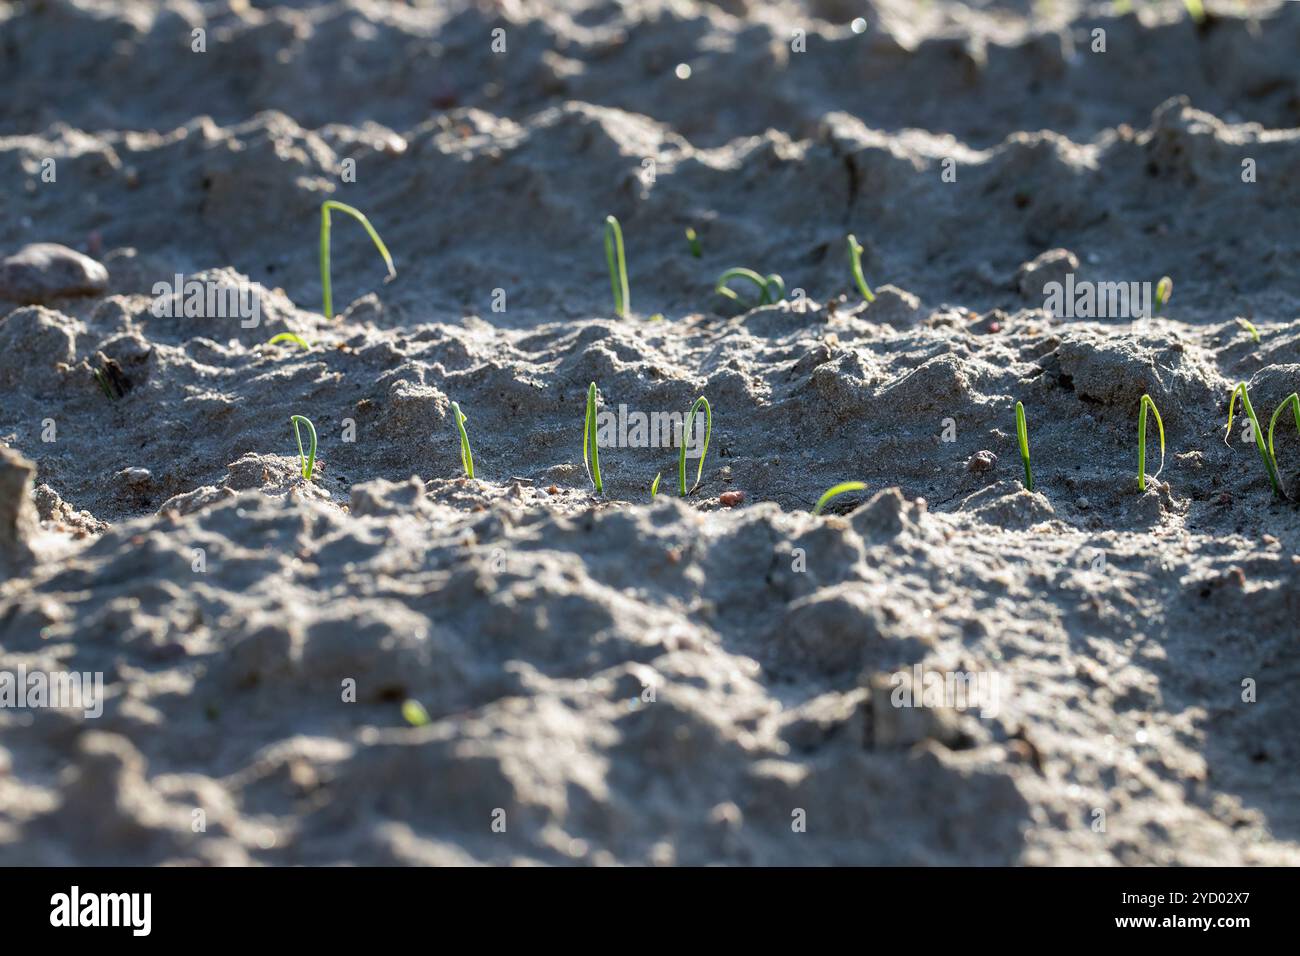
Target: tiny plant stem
765 285
693 238
1164 289
466 456
1269 464
686 433
1196 8
654 486
617 266
1142 440
835 491
307 461
103 384
590 451
1294 401
325 208
413 713
289 337
1249 327
855 263
1022 436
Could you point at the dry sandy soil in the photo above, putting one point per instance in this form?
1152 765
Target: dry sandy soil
607 679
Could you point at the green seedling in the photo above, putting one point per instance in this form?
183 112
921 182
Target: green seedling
413 713
1294 401
771 287
686 432
1164 289
289 337
1249 327
1142 440
466 456
654 486
1022 436
694 240
590 452
102 379
308 461
1194 7
112 380
855 263
617 266
1259 434
834 492
325 208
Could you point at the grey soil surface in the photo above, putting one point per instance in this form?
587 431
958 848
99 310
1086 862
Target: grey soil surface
609 679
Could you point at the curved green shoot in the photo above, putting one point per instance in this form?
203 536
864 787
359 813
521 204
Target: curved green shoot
1142 440
771 287
855 263
1022 436
413 713
325 208
694 240
617 266
590 452
307 461
466 456
1164 289
288 337
1259 434
686 433
654 486
1294 401
1249 327
843 488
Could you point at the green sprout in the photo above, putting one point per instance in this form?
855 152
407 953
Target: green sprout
654 486
1294 401
1194 7
843 488
325 209
466 456
413 713
1269 464
1164 289
1022 436
855 263
1249 327
617 266
308 461
1142 440
694 241
102 379
686 431
289 337
771 287
590 452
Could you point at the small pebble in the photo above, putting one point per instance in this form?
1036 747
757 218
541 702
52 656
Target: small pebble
135 476
45 271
